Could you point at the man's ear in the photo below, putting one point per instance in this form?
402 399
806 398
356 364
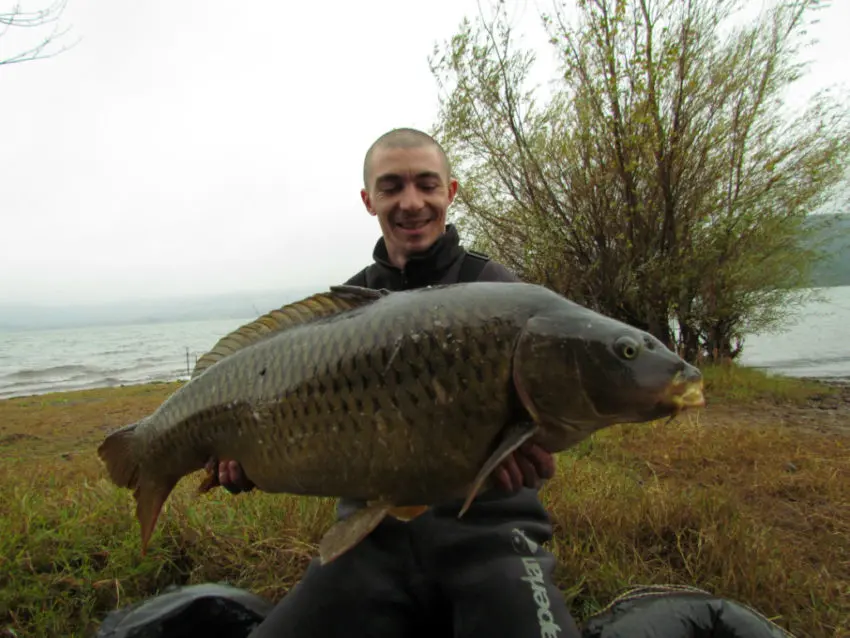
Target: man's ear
452 190
367 201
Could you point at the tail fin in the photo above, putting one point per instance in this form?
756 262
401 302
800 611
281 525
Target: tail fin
120 455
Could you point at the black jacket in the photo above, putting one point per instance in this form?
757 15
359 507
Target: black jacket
446 262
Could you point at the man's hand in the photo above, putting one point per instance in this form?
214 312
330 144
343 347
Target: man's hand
231 477
530 465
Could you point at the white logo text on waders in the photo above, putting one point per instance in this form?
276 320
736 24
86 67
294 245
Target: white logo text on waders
522 543
534 577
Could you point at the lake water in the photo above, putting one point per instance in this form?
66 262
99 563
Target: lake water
816 345
39 361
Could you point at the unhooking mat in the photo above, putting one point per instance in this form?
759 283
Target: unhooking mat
220 611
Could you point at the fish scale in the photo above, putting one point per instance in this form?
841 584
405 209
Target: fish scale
364 379
402 399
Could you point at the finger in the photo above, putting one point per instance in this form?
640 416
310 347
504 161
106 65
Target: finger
227 472
529 471
514 472
238 478
211 480
544 463
210 466
503 479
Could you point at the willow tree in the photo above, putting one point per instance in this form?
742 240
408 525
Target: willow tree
661 181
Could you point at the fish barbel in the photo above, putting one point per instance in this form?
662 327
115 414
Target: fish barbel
404 399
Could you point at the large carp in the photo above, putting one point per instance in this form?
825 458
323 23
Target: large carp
402 399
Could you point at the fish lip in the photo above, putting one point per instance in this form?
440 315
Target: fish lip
684 394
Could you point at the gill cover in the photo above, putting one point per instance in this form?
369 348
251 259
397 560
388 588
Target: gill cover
548 381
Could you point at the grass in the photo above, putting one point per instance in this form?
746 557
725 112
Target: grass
749 499
733 382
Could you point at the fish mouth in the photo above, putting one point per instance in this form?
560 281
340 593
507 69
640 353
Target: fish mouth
684 394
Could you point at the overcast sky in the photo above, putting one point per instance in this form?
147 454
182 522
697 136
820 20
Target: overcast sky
198 146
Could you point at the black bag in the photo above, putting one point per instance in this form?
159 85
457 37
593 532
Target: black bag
678 612
210 610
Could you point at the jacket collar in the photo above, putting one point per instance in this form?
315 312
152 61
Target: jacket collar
439 256
428 265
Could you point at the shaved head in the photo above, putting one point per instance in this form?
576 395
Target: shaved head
407 185
403 138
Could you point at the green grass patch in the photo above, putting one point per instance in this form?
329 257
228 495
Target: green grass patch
732 382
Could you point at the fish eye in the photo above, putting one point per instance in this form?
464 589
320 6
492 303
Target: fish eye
627 348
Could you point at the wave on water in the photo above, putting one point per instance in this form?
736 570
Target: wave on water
32 384
69 371
33 363
806 362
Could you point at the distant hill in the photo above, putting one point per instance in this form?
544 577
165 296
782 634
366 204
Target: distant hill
834 270
167 310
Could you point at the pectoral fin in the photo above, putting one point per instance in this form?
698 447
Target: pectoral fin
151 494
345 534
513 436
407 513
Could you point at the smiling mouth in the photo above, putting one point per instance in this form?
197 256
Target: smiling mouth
413 224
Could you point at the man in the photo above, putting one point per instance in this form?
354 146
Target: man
485 574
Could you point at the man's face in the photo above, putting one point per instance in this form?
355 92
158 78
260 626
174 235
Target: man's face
409 193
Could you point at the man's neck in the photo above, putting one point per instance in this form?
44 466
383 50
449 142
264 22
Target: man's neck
398 258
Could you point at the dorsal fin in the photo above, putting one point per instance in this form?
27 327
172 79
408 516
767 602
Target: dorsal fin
337 300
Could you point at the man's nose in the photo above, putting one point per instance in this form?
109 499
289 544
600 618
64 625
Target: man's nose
411 198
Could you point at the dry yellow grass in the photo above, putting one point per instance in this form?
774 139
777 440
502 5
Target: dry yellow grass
749 499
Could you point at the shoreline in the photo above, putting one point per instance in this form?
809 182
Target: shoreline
832 382
99 386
